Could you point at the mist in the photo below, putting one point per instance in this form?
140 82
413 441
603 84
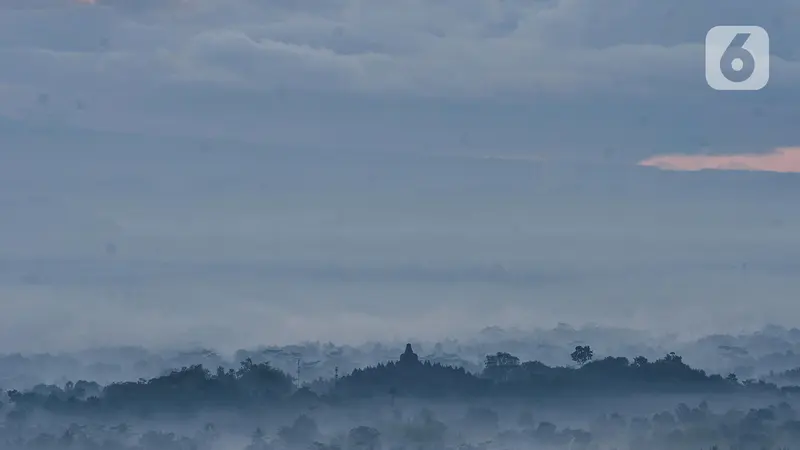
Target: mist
143 243
368 225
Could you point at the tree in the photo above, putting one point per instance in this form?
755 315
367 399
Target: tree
640 361
501 359
582 354
500 365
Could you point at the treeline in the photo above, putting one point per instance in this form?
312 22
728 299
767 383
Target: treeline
253 386
505 375
775 427
184 390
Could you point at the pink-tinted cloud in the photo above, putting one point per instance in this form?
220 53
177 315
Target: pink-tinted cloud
783 160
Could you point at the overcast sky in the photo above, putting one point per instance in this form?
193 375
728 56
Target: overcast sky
533 75
242 171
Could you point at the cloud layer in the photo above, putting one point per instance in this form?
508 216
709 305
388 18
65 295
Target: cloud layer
167 242
333 168
623 73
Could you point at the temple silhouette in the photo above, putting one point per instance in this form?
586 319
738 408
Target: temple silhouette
410 376
409 358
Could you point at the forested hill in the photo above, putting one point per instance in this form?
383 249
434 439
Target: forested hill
255 386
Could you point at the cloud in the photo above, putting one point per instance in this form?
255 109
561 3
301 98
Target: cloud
90 91
568 75
782 160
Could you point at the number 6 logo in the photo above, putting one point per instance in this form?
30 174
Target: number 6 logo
737 58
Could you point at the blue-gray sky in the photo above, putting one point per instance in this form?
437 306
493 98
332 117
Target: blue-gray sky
242 172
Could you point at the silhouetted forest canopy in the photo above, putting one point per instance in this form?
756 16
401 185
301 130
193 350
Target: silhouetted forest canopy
407 404
259 385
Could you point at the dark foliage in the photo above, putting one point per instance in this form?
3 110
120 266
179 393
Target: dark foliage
257 386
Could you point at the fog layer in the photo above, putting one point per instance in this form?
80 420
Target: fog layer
112 239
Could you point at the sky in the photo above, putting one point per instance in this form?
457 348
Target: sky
235 172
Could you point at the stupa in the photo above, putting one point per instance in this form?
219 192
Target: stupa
409 357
